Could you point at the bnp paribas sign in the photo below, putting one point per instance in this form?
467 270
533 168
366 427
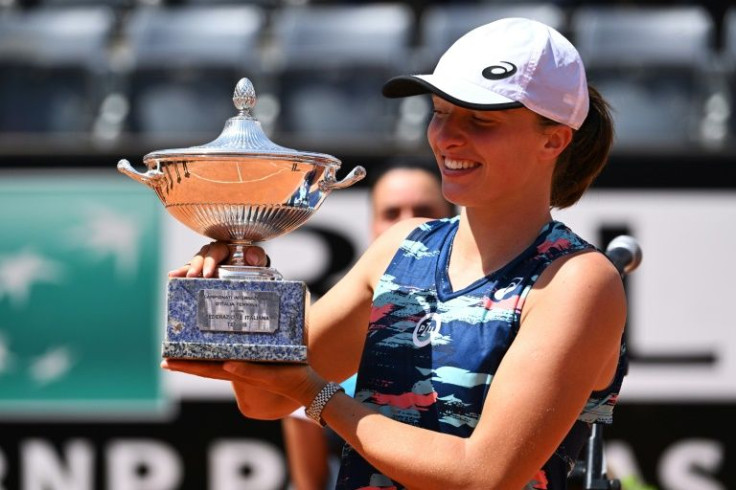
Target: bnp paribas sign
80 286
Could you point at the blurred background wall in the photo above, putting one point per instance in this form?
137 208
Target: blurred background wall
84 250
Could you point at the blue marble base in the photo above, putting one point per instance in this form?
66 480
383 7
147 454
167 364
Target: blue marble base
235 319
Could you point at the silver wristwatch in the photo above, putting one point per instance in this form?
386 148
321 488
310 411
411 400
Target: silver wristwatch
314 411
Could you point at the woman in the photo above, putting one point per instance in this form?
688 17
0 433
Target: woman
484 344
400 189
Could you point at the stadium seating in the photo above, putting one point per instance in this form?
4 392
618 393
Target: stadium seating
184 64
330 63
654 65
441 25
167 68
53 63
729 52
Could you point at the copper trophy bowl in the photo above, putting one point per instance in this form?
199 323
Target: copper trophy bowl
239 189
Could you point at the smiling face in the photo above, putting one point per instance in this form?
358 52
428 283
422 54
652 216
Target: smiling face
490 157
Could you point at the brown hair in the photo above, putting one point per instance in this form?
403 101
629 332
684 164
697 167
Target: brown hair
586 155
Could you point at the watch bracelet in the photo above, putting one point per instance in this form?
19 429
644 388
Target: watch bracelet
314 411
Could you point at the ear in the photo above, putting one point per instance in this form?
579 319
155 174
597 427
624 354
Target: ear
558 137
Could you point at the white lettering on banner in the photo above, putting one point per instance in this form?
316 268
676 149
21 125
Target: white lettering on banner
142 464
679 296
43 470
621 460
145 464
688 465
245 465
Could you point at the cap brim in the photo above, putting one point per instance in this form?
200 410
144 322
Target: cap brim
458 92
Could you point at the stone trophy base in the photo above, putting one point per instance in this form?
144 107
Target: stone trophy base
236 319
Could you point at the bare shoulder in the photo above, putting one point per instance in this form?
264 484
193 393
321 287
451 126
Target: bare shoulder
399 231
585 285
380 253
581 271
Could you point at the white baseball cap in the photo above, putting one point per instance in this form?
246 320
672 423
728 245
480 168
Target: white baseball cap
508 63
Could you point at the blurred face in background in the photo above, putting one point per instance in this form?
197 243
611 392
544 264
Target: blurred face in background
407 193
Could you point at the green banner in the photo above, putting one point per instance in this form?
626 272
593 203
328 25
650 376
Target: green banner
80 294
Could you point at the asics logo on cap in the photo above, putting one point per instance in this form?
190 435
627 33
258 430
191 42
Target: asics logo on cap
498 72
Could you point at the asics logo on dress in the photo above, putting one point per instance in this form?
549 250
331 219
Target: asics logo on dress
505 293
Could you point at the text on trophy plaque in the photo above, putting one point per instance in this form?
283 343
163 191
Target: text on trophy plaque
238 311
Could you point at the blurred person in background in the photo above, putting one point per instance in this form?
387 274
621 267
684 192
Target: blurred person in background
400 189
485 344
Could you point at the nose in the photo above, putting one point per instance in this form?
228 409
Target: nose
447 132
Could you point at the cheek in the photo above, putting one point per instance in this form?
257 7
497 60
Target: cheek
434 146
430 136
433 129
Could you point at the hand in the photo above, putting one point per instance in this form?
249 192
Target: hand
299 382
253 402
204 369
205 262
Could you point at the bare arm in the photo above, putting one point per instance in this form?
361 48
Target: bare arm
308 453
576 312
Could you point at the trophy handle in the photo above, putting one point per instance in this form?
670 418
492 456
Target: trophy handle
330 183
152 178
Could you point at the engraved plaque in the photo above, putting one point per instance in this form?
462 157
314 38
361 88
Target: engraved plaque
238 311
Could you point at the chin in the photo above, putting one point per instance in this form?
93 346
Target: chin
456 195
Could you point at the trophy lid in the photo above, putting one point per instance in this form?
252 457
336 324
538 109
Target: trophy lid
243 137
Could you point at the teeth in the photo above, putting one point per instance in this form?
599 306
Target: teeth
460 164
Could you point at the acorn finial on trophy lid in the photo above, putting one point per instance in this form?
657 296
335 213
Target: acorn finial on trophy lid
244 97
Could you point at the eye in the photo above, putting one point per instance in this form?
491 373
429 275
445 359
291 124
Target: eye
391 214
483 118
439 106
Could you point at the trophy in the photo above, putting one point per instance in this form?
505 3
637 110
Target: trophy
239 189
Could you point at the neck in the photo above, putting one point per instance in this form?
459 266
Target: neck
487 240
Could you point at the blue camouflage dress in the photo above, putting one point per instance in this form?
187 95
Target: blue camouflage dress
431 353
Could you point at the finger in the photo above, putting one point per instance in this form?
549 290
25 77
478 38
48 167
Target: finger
215 254
256 256
247 371
180 272
239 369
205 369
194 267
257 373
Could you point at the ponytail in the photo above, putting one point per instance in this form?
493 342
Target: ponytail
586 155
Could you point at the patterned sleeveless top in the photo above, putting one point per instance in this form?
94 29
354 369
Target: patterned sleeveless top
431 353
